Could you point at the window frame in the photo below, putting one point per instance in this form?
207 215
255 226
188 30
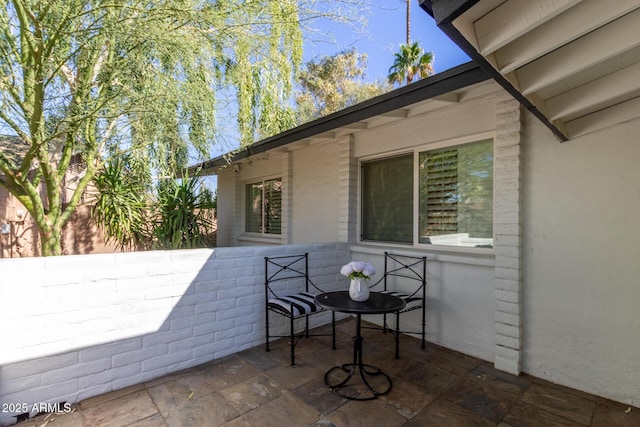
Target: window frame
415 151
262 181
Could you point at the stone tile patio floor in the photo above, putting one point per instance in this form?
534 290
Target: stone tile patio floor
432 387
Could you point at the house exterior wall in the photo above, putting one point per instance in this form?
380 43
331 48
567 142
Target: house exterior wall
460 299
311 189
225 207
557 297
581 248
19 237
465 120
315 182
324 207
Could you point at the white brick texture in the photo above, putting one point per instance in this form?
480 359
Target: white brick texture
508 274
121 319
347 192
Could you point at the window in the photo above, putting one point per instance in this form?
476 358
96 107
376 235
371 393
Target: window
387 200
454 197
263 208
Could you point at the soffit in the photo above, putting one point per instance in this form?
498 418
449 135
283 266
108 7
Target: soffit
573 63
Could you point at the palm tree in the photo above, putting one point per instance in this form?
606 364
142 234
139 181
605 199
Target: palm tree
410 62
408 22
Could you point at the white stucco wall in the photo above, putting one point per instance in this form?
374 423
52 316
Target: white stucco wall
460 300
581 284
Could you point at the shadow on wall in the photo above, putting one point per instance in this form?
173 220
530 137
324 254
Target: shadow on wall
80 326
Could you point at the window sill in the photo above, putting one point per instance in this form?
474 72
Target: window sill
275 239
449 254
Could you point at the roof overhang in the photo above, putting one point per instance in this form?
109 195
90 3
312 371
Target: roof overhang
573 63
439 88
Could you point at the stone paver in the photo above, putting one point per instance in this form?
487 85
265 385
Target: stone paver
434 387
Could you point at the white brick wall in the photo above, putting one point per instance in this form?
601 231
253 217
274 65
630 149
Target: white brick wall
507 223
79 326
287 179
348 192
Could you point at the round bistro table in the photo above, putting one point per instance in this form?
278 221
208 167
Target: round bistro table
378 303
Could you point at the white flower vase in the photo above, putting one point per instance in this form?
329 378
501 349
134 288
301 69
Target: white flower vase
359 289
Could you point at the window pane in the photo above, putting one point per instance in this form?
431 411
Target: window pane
253 203
264 207
387 200
456 195
273 206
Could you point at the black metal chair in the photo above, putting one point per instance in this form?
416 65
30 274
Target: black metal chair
412 290
290 269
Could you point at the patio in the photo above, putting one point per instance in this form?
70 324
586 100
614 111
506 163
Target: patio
435 387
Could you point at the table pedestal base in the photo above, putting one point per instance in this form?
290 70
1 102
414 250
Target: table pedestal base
362 369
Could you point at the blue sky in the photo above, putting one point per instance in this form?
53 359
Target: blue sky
383 35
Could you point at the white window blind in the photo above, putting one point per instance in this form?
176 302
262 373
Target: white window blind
456 195
263 207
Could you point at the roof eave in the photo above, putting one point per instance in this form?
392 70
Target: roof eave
453 79
445 12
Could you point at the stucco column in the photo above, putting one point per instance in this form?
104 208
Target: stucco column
347 192
508 235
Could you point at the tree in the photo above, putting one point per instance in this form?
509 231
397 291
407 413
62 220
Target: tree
180 214
408 22
176 216
122 207
410 62
100 80
334 83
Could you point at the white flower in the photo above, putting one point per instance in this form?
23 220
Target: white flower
358 266
346 270
369 270
361 269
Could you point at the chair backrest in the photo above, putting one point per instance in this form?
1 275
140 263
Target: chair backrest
286 269
408 267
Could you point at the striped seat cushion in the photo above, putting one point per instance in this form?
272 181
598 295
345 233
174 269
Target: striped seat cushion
412 301
302 303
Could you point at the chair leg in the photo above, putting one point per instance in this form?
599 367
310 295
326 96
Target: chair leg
333 329
397 335
384 323
267 331
293 344
423 329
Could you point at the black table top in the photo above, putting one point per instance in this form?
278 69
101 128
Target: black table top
377 303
